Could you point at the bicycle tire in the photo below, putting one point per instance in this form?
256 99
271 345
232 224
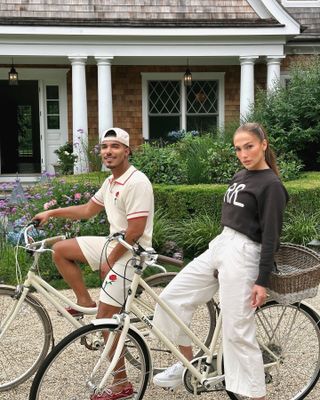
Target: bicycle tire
293 333
18 359
66 371
203 323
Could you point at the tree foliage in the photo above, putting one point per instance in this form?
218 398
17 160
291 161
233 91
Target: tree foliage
291 113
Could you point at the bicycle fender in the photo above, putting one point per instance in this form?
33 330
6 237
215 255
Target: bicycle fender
115 323
102 321
312 308
3 286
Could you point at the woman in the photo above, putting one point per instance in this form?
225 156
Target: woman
243 253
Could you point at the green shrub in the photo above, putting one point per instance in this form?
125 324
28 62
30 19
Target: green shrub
301 228
184 201
304 194
221 163
291 114
194 151
209 158
289 166
160 164
66 158
194 234
162 229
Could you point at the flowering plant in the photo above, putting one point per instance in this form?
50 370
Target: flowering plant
174 136
94 157
66 158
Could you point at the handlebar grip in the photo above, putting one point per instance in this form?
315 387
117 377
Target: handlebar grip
35 223
170 260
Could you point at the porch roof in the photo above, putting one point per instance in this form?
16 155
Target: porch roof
135 13
145 23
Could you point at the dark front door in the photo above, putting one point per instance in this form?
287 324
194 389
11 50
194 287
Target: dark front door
20 131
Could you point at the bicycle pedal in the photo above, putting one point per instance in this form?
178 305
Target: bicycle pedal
171 389
77 317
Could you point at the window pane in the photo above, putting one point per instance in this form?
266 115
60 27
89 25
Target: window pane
53 112
164 97
52 92
159 127
201 123
202 97
53 122
53 107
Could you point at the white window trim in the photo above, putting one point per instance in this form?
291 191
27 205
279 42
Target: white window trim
309 3
165 76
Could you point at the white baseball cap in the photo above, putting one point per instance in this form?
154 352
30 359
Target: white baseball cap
115 134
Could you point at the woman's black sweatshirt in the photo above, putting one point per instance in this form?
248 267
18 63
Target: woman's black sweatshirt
254 205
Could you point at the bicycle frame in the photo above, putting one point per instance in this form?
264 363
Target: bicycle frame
131 306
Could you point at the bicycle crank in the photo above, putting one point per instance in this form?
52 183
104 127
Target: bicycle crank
213 384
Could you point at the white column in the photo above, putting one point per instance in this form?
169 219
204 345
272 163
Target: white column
246 84
79 113
105 111
273 72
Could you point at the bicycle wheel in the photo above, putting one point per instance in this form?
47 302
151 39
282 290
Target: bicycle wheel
203 322
292 334
18 359
67 372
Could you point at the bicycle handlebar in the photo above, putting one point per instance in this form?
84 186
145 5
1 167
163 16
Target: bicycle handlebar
169 260
39 245
45 242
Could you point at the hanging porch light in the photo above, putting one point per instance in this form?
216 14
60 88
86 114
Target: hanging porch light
13 76
187 78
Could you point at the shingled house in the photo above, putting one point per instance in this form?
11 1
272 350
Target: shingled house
85 65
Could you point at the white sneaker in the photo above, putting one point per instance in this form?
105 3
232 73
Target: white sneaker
170 377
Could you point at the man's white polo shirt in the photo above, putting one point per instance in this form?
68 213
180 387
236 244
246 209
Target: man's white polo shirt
127 197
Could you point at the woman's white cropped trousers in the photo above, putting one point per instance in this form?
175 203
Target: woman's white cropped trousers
236 257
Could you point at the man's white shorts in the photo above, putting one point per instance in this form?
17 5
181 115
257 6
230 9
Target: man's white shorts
116 283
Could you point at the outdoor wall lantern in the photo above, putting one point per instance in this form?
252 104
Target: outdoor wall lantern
187 78
13 76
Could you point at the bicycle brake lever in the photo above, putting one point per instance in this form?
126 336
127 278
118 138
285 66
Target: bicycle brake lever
35 223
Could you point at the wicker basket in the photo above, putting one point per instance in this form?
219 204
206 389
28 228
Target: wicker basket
297 276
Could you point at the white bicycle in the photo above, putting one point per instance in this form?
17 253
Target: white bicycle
84 363
23 316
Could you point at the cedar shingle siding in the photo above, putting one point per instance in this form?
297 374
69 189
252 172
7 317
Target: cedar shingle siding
309 18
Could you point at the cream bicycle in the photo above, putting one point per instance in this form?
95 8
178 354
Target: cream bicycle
83 364
23 316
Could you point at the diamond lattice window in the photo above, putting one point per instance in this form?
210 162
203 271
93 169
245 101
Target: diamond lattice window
164 97
202 98
202 106
172 108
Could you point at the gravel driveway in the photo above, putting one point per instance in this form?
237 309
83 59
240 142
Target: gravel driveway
153 393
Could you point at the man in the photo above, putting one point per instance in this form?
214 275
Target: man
127 198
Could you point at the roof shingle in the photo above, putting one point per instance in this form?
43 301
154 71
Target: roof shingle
309 18
128 9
